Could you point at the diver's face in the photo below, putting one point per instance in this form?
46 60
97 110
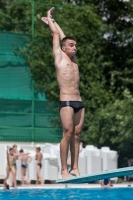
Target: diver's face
15 149
11 152
70 47
37 151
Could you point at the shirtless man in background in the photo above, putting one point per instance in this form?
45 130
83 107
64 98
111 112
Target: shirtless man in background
71 105
25 160
10 166
11 176
16 154
39 158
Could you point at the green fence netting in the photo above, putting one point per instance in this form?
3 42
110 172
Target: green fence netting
25 114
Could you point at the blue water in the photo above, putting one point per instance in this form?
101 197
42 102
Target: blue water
63 194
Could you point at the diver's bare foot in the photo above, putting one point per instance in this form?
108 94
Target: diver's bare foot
74 172
65 174
42 184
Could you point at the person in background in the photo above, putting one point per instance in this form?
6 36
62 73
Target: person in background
130 162
25 160
16 154
15 151
10 167
106 183
39 158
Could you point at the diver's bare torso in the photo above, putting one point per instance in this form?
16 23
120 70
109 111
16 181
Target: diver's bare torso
39 157
11 159
68 78
24 160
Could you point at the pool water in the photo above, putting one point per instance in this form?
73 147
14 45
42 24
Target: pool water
68 193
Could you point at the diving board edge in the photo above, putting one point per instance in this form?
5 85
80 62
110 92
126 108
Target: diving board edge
98 176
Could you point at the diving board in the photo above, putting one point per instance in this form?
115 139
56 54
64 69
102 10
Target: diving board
98 176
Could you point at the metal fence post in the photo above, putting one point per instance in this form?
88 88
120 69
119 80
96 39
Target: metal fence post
33 97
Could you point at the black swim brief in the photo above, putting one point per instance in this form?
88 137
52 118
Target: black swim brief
40 165
24 166
76 105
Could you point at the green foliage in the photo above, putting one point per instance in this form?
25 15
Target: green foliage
103 30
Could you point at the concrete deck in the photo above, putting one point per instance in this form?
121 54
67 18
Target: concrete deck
61 186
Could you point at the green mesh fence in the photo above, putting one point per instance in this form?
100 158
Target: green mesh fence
25 114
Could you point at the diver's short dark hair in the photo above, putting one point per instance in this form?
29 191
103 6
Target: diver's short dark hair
10 149
21 151
38 148
63 41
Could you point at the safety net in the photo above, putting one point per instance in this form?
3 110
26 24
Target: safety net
25 114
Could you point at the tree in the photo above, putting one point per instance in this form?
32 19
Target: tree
115 119
111 122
